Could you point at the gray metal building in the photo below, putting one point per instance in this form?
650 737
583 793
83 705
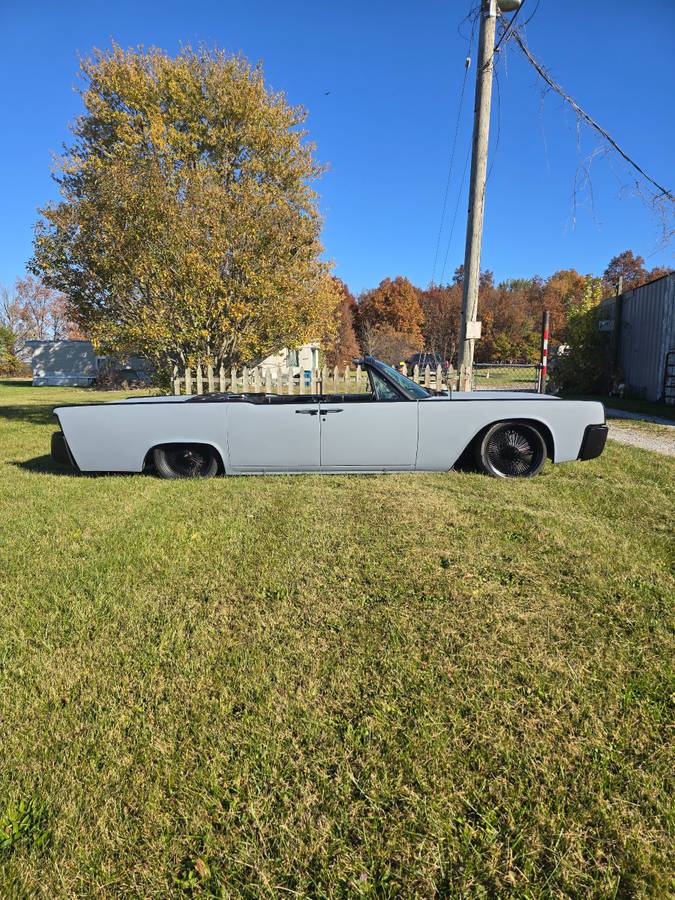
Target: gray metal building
65 362
643 326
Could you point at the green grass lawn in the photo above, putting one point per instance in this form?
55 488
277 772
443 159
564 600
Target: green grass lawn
395 686
503 378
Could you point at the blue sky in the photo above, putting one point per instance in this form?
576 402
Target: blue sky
381 81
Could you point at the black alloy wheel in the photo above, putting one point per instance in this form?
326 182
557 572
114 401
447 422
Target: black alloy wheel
185 461
511 450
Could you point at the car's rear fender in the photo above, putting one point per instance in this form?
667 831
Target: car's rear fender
448 426
118 437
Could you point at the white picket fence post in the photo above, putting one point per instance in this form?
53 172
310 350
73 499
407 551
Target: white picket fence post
282 380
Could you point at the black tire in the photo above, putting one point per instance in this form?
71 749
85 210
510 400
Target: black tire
185 461
511 450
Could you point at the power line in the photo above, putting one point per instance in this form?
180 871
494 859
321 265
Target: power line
454 218
452 159
508 28
473 17
499 125
532 14
541 71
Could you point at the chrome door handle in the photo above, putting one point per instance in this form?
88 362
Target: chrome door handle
325 412
307 412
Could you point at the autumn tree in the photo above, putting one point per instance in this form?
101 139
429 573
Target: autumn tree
392 346
507 313
10 363
34 311
341 344
441 306
393 307
188 226
631 270
563 291
486 279
585 367
659 272
627 267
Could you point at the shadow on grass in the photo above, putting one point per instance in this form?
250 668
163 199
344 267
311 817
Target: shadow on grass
16 382
45 465
32 415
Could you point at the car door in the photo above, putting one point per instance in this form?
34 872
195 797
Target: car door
368 433
275 436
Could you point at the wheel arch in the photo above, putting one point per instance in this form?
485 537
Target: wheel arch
147 459
541 426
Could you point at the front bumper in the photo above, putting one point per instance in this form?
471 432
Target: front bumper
60 450
594 441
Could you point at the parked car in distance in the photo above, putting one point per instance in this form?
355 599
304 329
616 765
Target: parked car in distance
433 360
395 425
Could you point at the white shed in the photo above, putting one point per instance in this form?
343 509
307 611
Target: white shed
70 363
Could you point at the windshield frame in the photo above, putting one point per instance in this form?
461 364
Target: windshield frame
402 383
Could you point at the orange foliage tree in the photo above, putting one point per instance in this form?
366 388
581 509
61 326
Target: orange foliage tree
631 270
342 346
441 306
393 307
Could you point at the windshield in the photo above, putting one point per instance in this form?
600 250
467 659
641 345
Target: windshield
406 383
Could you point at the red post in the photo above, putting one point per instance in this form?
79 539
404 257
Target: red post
543 365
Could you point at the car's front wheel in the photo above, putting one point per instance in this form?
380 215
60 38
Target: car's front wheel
511 450
185 461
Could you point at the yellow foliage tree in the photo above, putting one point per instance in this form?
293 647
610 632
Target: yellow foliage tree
188 227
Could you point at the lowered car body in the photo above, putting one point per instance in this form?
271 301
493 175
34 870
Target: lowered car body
395 426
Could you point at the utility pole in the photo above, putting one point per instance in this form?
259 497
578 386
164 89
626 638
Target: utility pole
469 327
543 365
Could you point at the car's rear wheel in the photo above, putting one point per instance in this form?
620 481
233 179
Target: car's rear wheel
511 450
185 461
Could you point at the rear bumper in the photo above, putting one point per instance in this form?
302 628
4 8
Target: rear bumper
594 441
60 450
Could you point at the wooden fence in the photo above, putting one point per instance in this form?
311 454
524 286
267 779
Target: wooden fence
279 380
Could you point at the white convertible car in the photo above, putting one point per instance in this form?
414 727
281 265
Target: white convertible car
396 426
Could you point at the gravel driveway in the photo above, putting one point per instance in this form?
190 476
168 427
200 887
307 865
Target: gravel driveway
648 432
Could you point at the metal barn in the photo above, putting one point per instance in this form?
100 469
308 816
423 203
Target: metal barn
643 323
71 363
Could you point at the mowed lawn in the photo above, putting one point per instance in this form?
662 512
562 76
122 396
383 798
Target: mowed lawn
394 686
